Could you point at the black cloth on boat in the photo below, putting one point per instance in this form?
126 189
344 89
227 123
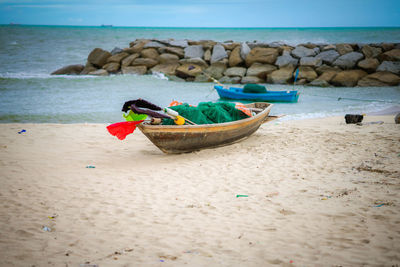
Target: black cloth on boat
140 103
141 106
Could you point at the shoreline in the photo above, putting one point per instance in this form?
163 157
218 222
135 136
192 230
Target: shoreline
324 190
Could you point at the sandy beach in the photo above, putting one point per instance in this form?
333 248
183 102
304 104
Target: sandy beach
315 193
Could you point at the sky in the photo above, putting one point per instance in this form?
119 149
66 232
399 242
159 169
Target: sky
203 13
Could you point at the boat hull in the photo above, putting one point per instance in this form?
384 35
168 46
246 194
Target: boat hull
188 138
270 96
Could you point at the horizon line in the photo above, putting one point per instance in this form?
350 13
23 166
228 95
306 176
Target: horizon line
193 27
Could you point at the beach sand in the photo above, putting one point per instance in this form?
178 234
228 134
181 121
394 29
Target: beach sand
319 193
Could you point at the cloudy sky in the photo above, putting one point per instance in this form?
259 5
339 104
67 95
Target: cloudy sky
203 13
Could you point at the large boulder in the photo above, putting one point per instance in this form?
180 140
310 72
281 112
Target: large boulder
196 61
349 60
235 58
128 60
173 50
235 71
392 55
348 78
244 50
260 70
306 72
383 78
218 53
166 68
369 64
319 83
370 51
139 70
194 51
328 75
69 70
344 49
216 70
207 55
230 45
281 76
112 67
117 57
148 62
251 79
328 56
262 55
188 70
310 61
301 51
387 46
168 58
391 66
286 59
98 57
149 53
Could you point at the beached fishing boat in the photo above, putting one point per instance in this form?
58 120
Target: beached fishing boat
269 96
188 138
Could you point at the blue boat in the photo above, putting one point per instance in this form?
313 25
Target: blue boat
269 96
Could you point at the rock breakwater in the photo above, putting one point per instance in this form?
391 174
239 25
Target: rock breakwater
250 62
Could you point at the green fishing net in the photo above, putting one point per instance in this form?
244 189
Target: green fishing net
208 113
254 88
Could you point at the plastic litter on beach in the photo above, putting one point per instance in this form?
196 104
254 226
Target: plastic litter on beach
90 167
46 229
242 196
380 205
22 131
52 217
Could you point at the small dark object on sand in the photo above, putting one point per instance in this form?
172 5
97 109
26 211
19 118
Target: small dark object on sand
353 118
397 118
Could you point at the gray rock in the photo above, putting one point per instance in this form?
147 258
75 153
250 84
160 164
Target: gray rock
380 78
216 70
172 50
194 51
286 59
301 51
391 66
174 78
153 44
179 43
328 56
230 80
235 71
258 44
349 60
307 73
310 61
112 67
116 50
201 78
218 53
69 70
244 50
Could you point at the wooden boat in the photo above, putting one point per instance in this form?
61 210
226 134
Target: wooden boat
188 138
269 96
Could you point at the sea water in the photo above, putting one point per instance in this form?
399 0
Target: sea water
28 54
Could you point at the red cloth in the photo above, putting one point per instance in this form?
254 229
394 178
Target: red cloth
122 129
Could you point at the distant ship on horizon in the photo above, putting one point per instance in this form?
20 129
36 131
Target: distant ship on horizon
106 26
